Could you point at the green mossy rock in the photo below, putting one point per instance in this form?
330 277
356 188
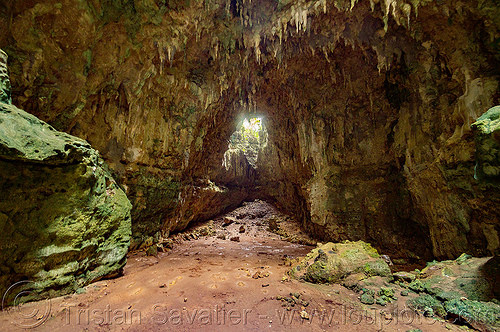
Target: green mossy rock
484 316
416 286
404 276
425 302
487 135
4 79
459 289
387 292
367 298
64 220
469 277
382 300
335 262
377 268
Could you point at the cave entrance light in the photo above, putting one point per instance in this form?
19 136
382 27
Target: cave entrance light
249 138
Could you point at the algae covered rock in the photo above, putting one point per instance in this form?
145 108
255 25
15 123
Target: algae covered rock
428 305
64 220
4 79
483 316
334 262
459 289
465 276
404 276
367 298
487 133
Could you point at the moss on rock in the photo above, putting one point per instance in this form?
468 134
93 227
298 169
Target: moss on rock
487 133
483 316
4 79
416 286
65 222
425 302
335 262
459 289
367 298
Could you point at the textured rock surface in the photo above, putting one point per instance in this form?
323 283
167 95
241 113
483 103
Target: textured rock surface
480 315
4 79
472 278
334 262
64 220
464 290
368 107
487 131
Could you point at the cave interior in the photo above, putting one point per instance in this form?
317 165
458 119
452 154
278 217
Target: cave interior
127 124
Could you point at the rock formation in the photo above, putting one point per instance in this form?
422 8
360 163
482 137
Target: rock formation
487 128
64 220
367 104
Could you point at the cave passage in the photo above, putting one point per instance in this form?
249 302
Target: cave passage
154 132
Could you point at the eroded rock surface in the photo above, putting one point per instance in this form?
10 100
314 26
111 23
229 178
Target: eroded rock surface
4 79
487 131
368 107
336 262
64 220
464 290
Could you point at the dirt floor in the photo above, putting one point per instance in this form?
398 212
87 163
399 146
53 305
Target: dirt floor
228 274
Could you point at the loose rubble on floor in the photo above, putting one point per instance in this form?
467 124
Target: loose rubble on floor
460 291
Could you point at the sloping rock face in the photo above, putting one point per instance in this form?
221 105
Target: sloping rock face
64 220
368 107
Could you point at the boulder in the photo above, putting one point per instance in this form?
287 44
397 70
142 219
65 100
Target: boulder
335 262
404 276
466 276
65 222
462 289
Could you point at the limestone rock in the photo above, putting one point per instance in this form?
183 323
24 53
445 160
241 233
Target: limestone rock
425 302
367 298
404 276
4 79
472 278
334 262
65 222
462 289
483 316
228 221
487 131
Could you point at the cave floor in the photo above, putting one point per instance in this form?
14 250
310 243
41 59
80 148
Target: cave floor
207 283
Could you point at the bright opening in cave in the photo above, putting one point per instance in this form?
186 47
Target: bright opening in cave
249 139
359 140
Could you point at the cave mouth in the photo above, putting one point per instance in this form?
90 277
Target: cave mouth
249 138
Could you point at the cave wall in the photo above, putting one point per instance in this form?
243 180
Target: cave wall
65 222
368 105
392 153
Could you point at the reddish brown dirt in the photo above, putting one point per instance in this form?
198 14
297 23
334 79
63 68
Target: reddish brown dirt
208 284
